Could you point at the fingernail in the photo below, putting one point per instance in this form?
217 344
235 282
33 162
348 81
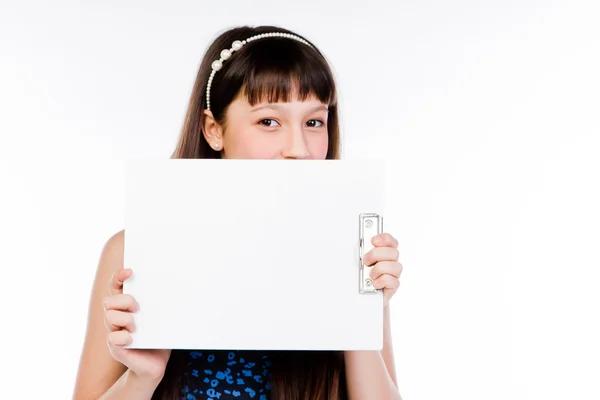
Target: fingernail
377 239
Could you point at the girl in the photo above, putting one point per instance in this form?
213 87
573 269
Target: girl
260 93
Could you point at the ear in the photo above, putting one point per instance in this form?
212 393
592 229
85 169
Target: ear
213 133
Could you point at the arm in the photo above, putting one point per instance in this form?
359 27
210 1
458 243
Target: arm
372 374
131 387
99 374
388 350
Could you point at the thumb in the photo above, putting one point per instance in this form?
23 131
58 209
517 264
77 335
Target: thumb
116 282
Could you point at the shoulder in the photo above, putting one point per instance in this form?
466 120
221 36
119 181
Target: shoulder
116 241
113 251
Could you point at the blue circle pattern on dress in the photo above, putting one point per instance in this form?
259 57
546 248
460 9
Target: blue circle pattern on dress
227 374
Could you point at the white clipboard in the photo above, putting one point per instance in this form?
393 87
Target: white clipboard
253 254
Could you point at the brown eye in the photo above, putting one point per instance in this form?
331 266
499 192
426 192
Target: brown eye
312 123
267 122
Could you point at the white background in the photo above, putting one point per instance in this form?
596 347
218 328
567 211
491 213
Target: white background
487 112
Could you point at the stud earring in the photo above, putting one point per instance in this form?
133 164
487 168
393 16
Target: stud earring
216 145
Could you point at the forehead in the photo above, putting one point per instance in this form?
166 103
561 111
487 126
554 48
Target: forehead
294 101
278 87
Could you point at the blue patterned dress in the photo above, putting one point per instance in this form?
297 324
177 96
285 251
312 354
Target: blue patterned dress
227 374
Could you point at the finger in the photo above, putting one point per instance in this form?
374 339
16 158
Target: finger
384 240
117 320
119 338
386 268
121 302
386 282
115 285
378 254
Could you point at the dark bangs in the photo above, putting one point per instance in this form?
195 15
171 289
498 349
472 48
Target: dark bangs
276 69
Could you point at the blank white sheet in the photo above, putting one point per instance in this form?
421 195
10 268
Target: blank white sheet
251 254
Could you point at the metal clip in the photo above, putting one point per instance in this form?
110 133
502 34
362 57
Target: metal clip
370 225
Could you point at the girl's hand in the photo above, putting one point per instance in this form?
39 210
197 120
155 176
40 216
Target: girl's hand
118 317
386 268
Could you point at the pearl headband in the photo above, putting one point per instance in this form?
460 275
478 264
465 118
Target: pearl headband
237 45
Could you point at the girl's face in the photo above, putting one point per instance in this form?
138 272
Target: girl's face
294 130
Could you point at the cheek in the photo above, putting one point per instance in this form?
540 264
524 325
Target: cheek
252 147
318 146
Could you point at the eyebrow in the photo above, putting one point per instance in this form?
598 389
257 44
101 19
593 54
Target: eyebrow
276 107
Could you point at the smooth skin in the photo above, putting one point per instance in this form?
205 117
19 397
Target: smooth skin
293 130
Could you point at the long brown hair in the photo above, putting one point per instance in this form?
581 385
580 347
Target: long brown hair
268 70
